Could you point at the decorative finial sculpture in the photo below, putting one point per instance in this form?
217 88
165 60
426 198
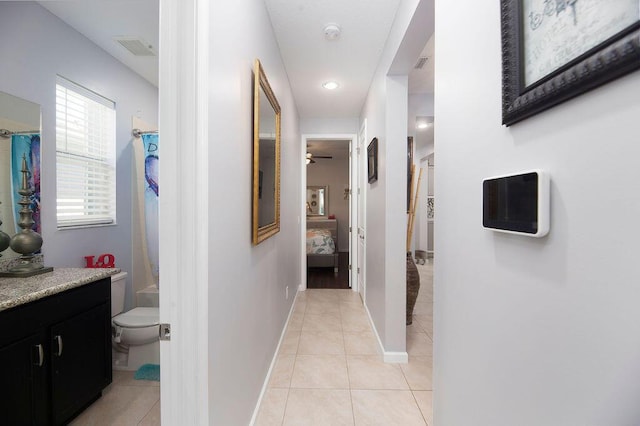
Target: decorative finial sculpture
26 242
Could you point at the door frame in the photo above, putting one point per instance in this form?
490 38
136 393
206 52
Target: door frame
361 162
422 235
352 138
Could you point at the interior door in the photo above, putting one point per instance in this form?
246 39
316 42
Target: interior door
24 395
361 185
353 279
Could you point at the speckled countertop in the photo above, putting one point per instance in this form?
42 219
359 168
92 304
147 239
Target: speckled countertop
18 291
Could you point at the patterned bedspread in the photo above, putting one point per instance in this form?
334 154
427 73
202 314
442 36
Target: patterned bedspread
319 241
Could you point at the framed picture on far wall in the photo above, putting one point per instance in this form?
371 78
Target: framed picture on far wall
372 160
554 50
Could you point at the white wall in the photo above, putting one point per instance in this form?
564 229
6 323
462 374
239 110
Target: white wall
533 331
329 125
247 306
36 46
334 173
386 113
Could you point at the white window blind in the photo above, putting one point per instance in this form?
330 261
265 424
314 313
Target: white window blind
85 156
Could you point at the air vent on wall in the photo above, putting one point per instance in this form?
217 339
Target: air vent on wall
136 46
421 61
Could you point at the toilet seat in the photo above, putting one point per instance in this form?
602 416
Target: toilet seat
138 317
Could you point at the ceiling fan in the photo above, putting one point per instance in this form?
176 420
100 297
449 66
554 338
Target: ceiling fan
310 157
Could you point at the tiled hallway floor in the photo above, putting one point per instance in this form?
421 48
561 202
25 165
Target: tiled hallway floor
125 402
329 372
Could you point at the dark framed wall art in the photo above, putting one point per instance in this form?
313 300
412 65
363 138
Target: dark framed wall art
372 160
554 50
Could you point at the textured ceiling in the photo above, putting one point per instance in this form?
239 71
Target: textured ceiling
351 60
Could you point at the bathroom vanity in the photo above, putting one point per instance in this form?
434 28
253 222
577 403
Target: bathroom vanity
55 344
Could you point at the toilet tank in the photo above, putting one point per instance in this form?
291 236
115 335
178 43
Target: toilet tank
118 287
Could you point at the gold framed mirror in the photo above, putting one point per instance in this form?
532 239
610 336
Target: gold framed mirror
266 158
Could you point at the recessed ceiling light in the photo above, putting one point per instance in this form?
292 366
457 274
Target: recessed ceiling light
330 85
423 125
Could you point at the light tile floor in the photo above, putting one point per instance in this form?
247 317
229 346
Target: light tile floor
125 402
329 371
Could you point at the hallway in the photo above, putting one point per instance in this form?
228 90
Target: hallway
329 372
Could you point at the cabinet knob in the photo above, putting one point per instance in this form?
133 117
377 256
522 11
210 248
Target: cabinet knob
58 341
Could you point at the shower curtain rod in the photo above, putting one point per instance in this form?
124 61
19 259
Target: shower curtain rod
136 133
4 133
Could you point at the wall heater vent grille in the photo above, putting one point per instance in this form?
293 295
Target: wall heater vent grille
421 61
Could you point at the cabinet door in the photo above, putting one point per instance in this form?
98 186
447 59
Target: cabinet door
23 383
80 361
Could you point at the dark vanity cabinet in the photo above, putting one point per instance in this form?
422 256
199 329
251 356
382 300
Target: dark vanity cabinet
24 399
55 355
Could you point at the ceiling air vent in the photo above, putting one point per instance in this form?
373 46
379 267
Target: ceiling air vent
421 61
136 46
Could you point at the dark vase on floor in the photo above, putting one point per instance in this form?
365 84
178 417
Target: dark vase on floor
413 286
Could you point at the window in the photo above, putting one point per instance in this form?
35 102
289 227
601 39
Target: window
85 160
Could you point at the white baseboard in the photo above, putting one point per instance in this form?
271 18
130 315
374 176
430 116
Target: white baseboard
302 287
396 357
273 363
387 356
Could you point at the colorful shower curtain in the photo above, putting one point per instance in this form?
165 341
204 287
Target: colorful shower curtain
28 145
151 193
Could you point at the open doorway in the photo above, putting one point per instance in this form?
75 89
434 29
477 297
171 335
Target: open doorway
327 256
327 213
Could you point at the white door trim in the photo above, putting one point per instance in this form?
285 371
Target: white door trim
422 236
183 209
360 228
302 218
353 213
303 213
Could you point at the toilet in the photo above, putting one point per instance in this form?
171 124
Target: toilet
135 333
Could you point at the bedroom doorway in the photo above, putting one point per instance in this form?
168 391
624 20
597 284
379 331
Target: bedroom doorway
326 227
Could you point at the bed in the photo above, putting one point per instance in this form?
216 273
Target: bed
322 243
